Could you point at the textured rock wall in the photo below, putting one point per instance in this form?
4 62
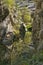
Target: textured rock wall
38 25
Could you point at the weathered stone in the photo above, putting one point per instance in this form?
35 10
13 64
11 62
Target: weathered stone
40 46
37 24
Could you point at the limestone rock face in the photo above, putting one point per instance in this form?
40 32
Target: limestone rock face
40 47
38 24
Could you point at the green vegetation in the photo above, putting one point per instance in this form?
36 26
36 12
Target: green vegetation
23 51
